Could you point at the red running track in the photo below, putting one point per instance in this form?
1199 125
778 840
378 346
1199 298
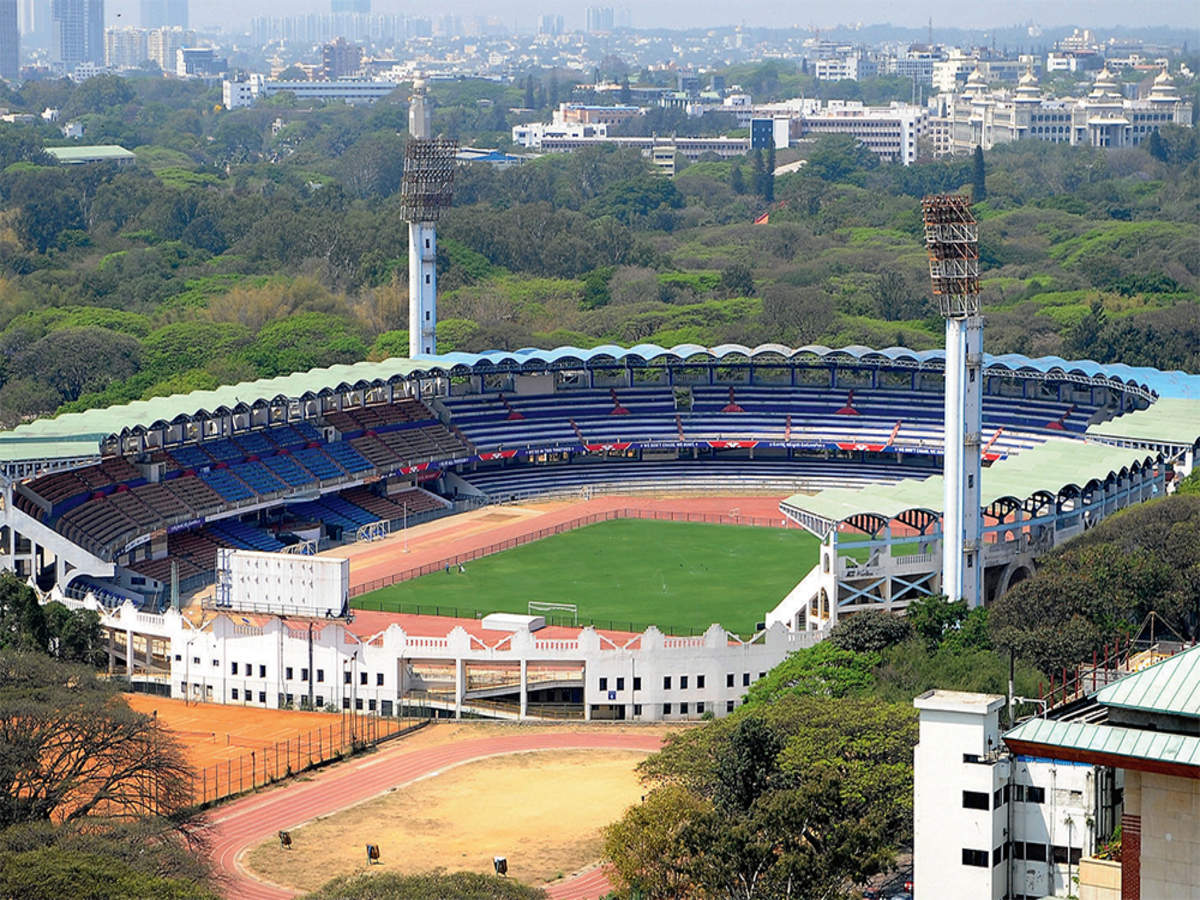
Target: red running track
237 826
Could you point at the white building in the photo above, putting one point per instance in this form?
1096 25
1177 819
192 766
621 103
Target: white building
890 131
850 67
1103 118
533 134
125 48
241 92
245 93
991 824
376 662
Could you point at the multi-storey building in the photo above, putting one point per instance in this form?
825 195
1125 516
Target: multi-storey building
162 45
340 59
978 116
10 41
891 131
78 32
125 48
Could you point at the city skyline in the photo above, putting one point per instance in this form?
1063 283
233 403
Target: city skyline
756 13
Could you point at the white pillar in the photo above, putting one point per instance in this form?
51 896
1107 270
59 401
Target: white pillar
422 288
459 686
128 652
972 513
524 688
952 498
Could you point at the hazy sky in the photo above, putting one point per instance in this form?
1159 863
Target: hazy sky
684 13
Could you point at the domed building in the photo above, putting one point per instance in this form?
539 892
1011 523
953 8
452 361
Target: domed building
1104 117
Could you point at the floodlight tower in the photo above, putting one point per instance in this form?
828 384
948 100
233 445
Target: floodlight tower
427 189
952 238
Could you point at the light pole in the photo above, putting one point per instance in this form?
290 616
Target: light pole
405 526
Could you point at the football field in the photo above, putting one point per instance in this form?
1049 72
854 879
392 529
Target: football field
624 574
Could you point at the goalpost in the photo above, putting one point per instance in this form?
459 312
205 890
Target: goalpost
536 606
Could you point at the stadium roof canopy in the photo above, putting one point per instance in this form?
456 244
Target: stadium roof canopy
1170 421
79 435
1048 468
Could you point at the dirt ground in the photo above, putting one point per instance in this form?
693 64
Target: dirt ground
449 731
543 811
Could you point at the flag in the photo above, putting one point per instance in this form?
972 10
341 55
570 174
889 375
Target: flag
764 219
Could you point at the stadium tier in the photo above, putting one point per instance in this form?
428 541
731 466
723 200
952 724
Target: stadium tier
124 496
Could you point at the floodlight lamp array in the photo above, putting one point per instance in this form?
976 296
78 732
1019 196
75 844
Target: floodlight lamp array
428 184
952 239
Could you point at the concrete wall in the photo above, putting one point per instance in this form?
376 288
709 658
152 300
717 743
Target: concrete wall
1170 811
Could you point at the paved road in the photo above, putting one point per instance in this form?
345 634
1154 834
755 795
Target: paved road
237 826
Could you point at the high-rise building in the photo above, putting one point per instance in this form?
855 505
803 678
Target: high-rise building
550 24
599 19
124 48
10 41
350 6
340 59
78 32
164 13
162 45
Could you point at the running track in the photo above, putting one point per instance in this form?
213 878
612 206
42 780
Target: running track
237 826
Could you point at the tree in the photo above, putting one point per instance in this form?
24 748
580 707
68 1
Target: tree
77 360
869 632
978 177
22 621
796 315
834 157
49 874
931 618
436 886
737 280
529 104
1156 147
768 177
73 749
822 670
737 182
626 95
645 845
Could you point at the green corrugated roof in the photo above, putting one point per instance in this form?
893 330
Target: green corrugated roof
1169 420
1047 467
62 437
88 153
1132 743
1171 686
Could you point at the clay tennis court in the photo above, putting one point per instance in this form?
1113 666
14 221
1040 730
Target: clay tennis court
236 748
470 532
446 822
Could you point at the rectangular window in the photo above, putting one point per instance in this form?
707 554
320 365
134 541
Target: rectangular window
699 681
371 705
362 678
620 684
287 673
666 709
1035 852
345 676
262 697
233 693
997 799
637 710
233 668
290 700
604 684
637 682
997 856
216 662
195 660
304 674
745 679
1018 793
974 800
1035 795
975 858
320 700
683 682
666 682
345 703
378 679
700 707
1018 850
320 675
683 709
729 680
358 703
728 706
262 671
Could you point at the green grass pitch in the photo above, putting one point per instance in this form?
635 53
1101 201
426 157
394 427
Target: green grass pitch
679 576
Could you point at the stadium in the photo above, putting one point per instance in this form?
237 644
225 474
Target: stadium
127 508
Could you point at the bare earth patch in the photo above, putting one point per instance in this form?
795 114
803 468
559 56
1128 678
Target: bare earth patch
544 811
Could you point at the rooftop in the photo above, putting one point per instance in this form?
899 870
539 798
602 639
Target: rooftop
1171 687
90 153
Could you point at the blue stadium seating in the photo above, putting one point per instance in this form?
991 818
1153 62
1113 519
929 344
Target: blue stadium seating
316 461
259 477
225 483
190 456
347 457
254 443
247 537
285 467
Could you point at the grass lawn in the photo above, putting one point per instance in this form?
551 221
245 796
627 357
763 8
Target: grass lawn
623 574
